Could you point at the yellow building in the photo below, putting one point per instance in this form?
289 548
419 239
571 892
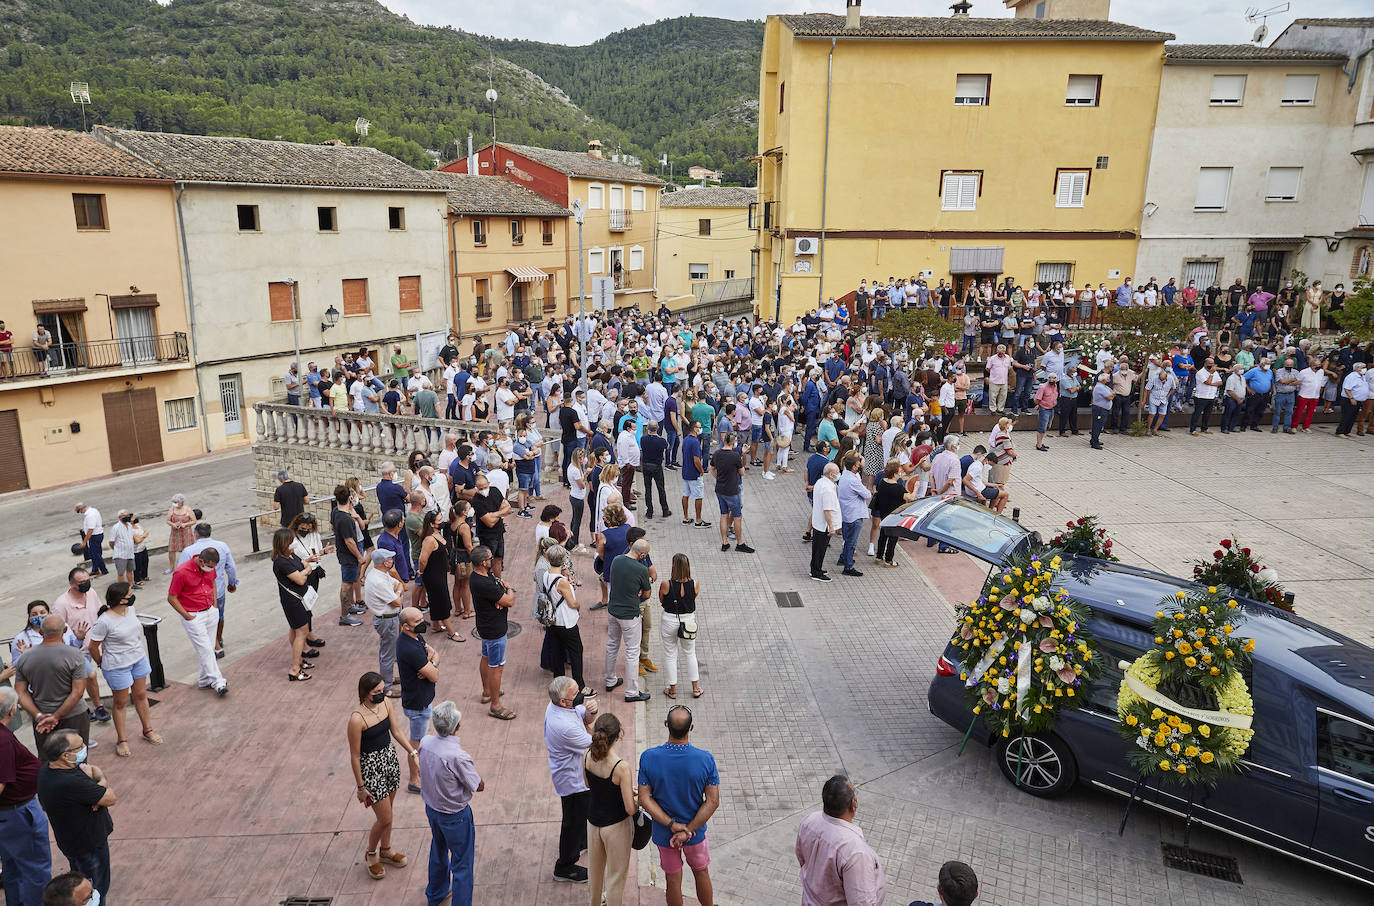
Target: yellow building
93 260
964 147
508 254
621 205
705 245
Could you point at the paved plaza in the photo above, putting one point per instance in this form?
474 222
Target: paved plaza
250 800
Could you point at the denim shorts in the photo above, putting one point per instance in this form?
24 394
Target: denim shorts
524 480
730 505
756 433
121 678
348 573
692 489
1158 406
419 721
1046 416
494 650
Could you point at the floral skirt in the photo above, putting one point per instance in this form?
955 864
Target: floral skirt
381 772
179 539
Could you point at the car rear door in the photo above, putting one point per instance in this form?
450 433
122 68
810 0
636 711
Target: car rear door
1092 730
960 524
1344 837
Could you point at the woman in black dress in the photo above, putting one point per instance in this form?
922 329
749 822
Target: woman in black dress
458 537
375 768
434 572
891 493
293 586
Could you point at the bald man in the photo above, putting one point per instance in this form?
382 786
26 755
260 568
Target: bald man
825 519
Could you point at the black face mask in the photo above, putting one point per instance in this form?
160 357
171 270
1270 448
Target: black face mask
130 602
126 519
421 627
83 587
378 697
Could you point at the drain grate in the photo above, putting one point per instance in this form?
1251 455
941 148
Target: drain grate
1209 865
307 901
787 598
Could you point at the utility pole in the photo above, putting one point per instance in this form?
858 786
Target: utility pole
580 214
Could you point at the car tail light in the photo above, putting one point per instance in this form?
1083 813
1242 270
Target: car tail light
944 668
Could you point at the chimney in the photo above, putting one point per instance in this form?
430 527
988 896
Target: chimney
961 8
851 15
593 148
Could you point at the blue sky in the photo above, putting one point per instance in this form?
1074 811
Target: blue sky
584 21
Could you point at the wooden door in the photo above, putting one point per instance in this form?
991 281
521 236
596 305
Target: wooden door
14 476
132 428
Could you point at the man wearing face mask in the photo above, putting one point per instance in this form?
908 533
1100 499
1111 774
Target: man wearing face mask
417 664
78 606
226 574
77 799
50 681
23 826
192 596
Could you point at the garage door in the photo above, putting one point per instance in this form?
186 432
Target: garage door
13 475
132 428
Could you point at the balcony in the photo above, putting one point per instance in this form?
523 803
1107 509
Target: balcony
723 290
620 220
72 359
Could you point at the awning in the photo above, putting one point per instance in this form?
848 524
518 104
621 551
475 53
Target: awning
136 300
527 274
1285 243
976 260
54 306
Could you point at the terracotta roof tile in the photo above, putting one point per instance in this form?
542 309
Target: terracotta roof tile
710 197
579 163
826 25
470 194
1176 53
204 158
39 149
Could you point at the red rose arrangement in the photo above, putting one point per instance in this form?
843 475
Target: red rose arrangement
1083 537
1236 568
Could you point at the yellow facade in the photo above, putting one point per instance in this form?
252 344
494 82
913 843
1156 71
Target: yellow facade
113 290
488 296
895 131
616 230
708 244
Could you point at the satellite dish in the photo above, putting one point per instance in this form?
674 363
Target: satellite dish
1260 34
360 126
491 95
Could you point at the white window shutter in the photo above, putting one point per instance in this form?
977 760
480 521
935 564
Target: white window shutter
949 195
1299 90
1283 183
1213 187
1228 89
968 192
1082 90
1071 189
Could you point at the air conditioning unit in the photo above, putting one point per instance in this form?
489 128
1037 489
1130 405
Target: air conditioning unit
806 245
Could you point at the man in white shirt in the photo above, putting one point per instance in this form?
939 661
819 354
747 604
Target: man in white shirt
1235 399
93 536
1206 385
505 401
868 351
1311 380
1354 393
825 519
627 458
596 402
382 594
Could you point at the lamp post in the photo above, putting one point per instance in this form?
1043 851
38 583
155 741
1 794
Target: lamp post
580 215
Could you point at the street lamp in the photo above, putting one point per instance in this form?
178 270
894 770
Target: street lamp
580 215
331 317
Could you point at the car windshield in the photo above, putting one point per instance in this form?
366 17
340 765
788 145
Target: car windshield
980 529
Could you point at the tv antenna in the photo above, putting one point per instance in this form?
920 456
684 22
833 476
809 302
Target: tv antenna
360 126
81 94
1261 16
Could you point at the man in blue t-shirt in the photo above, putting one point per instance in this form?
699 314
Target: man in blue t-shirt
692 467
679 787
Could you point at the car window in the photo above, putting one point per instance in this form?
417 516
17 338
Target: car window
1103 690
1345 746
974 526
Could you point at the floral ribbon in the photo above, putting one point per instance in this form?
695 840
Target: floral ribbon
1155 697
1023 671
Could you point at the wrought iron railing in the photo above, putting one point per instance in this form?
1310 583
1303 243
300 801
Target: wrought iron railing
71 358
723 290
620 220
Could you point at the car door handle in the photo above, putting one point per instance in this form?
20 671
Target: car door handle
1352 797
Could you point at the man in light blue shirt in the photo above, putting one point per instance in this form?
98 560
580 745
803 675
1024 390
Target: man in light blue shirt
854 499
226 574
567 733
1259 380
1123 294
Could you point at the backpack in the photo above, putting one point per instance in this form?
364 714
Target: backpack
545 610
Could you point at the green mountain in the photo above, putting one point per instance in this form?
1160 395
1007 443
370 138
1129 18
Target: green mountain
687 86
304 70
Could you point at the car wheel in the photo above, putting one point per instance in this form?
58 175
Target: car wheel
1046 766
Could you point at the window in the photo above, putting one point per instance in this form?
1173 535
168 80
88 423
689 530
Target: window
479 232
1283 184
1102 693
1083 90
280 302
636 198
90 211
1227 90
959 192
180 414
729 275
1299 91
395 218
329 219
482 299
1053 272
550 304
971 90
704 226
1101 162
355 297
517 231
1346 746
546 231
1213 186
409 291
596 196
636 258
1070 188
596 261
1040 10
782 96
248 218
698 271
1202 273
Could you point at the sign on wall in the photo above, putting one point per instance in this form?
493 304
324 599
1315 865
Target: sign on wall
427 348
603 293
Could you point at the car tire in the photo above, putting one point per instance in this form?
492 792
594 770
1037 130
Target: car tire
1047 767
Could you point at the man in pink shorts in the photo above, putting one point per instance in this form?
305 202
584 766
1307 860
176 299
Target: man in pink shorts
680 789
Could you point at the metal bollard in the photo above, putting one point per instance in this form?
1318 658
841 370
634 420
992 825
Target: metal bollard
157 680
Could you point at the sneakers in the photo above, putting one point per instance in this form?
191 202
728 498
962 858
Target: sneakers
631 699
822 577
222 690
101 714
744 549
350 621
358 610
851 572
577 874
872 551
769 476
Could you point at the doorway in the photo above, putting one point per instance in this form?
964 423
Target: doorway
1266 269
231 401
132 428
137 332
14 475
68 329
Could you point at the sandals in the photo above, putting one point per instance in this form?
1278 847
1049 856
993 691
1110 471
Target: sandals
122 749
393 857
456 637
376 869
670 694
486 698
502 714
152 736
698 693
297 677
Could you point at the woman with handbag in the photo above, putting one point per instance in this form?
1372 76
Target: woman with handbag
293 586
307 543
610 811
678 628
564 638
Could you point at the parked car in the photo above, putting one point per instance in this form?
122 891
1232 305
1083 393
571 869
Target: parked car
1306 785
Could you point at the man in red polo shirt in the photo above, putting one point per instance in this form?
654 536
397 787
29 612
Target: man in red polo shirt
192 595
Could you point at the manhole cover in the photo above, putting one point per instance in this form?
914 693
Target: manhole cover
512 630
787 598
1209 865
